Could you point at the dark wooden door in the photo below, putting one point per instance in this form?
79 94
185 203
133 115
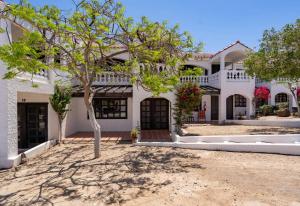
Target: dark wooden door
214 107
154 114
22 140
32 124
229 107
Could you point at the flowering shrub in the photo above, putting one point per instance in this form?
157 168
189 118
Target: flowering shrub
188 96
298 92
262 93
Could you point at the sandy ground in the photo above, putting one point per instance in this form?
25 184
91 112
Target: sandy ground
128 175
208 129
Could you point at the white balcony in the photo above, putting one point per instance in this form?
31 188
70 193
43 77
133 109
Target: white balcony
111 78
211 80
41 77
202 80
238 76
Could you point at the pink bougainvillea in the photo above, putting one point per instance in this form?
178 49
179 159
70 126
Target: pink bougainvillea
298 92
262 93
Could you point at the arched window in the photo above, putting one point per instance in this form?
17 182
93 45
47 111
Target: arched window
281 97
240 101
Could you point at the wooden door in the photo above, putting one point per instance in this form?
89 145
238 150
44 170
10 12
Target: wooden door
214 107
155 114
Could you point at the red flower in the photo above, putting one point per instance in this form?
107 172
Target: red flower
262 93
298 92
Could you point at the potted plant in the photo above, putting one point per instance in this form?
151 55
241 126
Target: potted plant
134 135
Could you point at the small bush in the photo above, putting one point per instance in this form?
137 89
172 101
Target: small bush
266 110
283 109
283 105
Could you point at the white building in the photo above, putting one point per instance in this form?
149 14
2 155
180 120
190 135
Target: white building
27 119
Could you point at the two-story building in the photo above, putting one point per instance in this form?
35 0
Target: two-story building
27 119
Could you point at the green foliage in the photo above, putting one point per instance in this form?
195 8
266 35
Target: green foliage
266 110
134 133
188 96
60 100
283 105
278 55
91 37
23 55
197 71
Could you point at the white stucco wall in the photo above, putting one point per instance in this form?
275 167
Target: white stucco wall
139 94
228 88
77 120
8 124
276 88
9 90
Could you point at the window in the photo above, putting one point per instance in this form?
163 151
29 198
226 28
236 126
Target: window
106 108
281 97
240 101
215 68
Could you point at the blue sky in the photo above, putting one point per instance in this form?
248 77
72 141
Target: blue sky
217 23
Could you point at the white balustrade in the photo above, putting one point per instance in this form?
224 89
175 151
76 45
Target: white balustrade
111 78
202 80
237 76
282 79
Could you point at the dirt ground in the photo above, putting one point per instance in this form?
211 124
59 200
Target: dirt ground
210 129
131 175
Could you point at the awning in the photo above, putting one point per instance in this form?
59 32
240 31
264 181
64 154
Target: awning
208 90
106 91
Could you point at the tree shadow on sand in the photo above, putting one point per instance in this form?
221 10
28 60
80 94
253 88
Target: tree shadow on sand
122 173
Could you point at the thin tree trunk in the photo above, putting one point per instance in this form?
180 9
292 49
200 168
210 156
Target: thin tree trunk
295 98
59 129
96 127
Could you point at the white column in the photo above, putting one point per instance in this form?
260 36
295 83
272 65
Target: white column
222 62
222 107
136 122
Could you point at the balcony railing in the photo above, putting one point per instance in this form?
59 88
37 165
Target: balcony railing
237 76
202 80
111 78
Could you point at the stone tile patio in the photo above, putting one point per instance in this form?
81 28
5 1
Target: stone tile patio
146 135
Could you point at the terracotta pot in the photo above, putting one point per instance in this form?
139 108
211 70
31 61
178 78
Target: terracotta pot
134 140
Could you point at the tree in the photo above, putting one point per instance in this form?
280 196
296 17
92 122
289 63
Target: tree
89 39
278 57
188 96
59 102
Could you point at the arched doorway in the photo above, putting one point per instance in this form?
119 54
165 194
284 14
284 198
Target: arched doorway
154 114
236 106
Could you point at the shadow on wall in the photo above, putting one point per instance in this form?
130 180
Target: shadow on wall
68 172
